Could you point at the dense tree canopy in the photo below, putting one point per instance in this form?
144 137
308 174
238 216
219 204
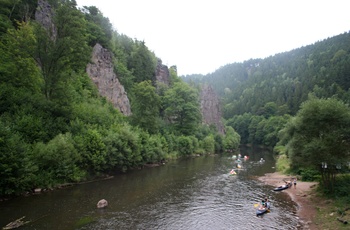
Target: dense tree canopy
295 102
182 108
146 107
50 109
55 128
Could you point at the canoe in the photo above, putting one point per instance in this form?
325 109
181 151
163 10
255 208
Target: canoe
280 188
261 211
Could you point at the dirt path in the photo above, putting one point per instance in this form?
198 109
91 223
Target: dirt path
300 195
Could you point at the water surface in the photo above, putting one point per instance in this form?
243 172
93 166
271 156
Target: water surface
195 193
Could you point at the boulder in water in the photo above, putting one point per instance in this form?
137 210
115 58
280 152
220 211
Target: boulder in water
102 203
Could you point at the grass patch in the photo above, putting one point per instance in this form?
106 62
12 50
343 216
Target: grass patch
328 210
84 221
334 206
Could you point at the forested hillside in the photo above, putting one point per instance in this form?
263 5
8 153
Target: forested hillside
277 85
56 128
296 102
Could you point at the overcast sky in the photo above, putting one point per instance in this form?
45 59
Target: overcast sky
200 36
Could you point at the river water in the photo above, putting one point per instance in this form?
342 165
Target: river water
195 193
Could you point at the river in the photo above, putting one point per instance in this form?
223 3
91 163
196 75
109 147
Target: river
195 193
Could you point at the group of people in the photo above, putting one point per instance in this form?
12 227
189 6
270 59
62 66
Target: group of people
291 183
265 204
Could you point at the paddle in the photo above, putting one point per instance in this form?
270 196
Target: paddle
256 205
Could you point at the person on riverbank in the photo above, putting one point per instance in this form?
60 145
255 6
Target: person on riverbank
295 183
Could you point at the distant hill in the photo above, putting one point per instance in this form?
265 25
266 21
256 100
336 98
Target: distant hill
285 79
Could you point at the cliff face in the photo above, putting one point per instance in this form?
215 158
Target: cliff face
210 107
162 73
44 15
100 70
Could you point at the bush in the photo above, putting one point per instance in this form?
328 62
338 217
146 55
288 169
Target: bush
185 146
57 162
208 144
309 174
282 163
342 186
16 168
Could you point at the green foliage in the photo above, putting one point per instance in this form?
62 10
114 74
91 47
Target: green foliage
18 67
321 130
231 139
59 54
57 161
13 11
271 129
269 109
92 149
240 124
283 163
320 134
142 63
152 148
145 106
173 75
208 144
95 112
123 148
219 143
16 168
172 143
5 22
284 79
182 111
308 174
56 128
342 186
257 129
185 146
99 28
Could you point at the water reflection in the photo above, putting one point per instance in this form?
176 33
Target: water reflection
194 193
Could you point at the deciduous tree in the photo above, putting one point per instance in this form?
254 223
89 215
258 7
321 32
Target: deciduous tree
320 137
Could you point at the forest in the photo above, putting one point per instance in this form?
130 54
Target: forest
297 103
55 127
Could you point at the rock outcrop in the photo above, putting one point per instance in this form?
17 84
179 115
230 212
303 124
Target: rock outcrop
162 73
44 15
101 72
210 107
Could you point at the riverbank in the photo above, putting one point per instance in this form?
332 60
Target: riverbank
301 195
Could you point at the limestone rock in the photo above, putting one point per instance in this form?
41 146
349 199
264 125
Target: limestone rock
210 107
162 73
44 15
101 72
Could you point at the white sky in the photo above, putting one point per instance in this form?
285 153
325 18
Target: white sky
200 36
